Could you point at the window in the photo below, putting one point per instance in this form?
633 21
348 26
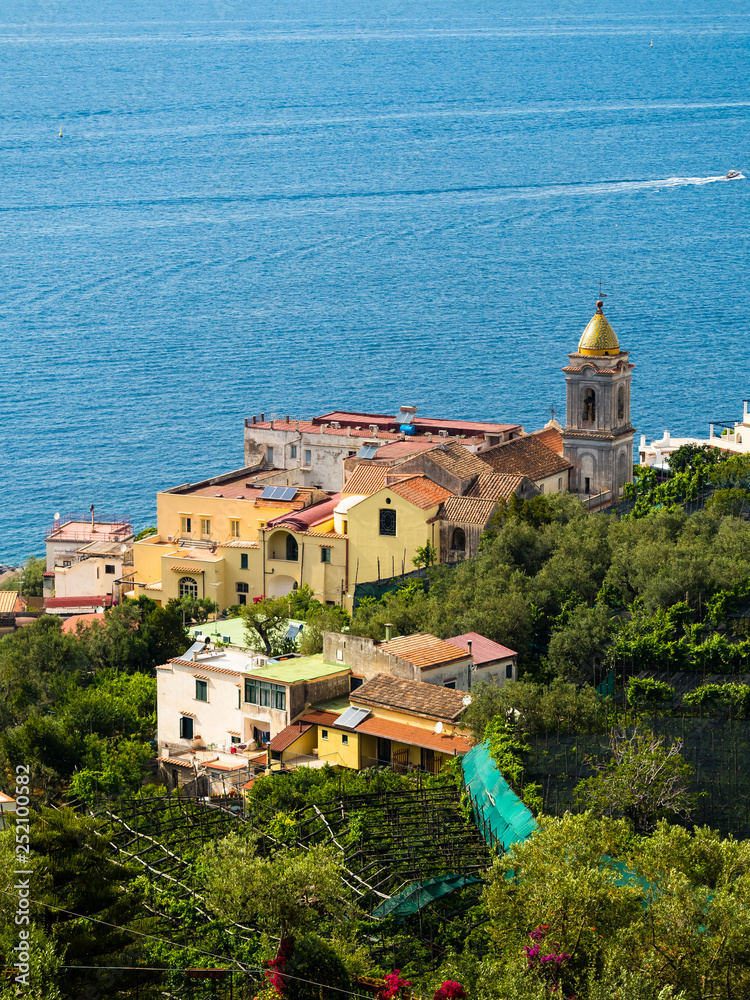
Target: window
325 554
109 569
450 684
308 456
243 588
459 539
387 522
559 483
242 598
355 682
235 740
292 450
264 694
588 414
345 739
226 638
188 587
243 560
509 671
291 548
205 526
234 528
186 727
324 734
621 403
587 485
201 690
345 527
186 525
269 455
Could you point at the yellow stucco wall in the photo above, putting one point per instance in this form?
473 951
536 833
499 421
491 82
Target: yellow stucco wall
367 545
334 751
172 507
304 745
412 720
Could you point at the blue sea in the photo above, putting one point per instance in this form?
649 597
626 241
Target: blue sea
292 208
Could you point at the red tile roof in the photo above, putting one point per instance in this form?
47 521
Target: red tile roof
482 650
365 480
420 491
467 510
551 437
415 736
69 625
526 456
413 697
423 650
320 718
457 460
495 486
77 602
290 735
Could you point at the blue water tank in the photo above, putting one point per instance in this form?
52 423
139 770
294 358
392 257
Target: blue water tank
407 429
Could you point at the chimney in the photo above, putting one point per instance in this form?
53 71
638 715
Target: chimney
254 418
388 631
92 517
469 645
287 418
262 418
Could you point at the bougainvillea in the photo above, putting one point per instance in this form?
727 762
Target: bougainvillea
276 966
544 956
393 985
449 990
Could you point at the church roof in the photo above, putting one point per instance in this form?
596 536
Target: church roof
598 338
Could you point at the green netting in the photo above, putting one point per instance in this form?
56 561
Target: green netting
607 686
500 814
417 895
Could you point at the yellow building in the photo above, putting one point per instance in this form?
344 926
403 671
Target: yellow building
210 537
407 725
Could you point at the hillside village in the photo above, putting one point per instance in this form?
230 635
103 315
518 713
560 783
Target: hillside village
406 706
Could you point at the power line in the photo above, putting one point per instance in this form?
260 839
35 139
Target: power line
185 947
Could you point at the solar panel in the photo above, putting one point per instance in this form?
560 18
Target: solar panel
278 492
405 418
352 717
268 493
293 631
367 451
287 492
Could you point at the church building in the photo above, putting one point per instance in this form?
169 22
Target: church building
598 435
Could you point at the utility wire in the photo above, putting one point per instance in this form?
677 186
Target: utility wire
185 947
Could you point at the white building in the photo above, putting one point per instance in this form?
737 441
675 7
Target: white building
86 558
734 439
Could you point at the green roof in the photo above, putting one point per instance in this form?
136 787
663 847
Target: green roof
232 628
299 668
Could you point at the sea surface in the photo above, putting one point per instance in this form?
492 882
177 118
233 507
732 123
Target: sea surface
292 208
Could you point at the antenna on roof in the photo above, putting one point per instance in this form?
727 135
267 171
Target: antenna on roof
552 411
602 295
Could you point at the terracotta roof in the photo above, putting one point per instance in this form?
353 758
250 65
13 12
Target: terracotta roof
420 491
415 735
415 697
482 650
78 602
551 437
365 480
320 718
239 543
466 510
495 486
186 569
205 665
423 650
69 625
526 456
8 600
290 735
322 534
179 761
454 458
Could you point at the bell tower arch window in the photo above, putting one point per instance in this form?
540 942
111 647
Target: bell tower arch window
588 408
458 542
621 403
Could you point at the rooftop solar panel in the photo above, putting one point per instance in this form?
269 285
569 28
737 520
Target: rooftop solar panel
367 451
352 717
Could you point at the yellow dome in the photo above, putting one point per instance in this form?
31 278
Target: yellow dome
598 338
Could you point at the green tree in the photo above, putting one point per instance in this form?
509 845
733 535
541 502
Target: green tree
644 780
689 457
578 647
426 555
145 533
290 893
313 960
325 620
197 609
29 580
266 625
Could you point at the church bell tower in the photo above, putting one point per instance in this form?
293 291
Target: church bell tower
598 435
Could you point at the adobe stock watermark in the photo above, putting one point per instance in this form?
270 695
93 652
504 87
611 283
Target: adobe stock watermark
22 873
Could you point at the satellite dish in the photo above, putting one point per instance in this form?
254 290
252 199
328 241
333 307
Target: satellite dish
123 547
57 515
466 700
438 727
